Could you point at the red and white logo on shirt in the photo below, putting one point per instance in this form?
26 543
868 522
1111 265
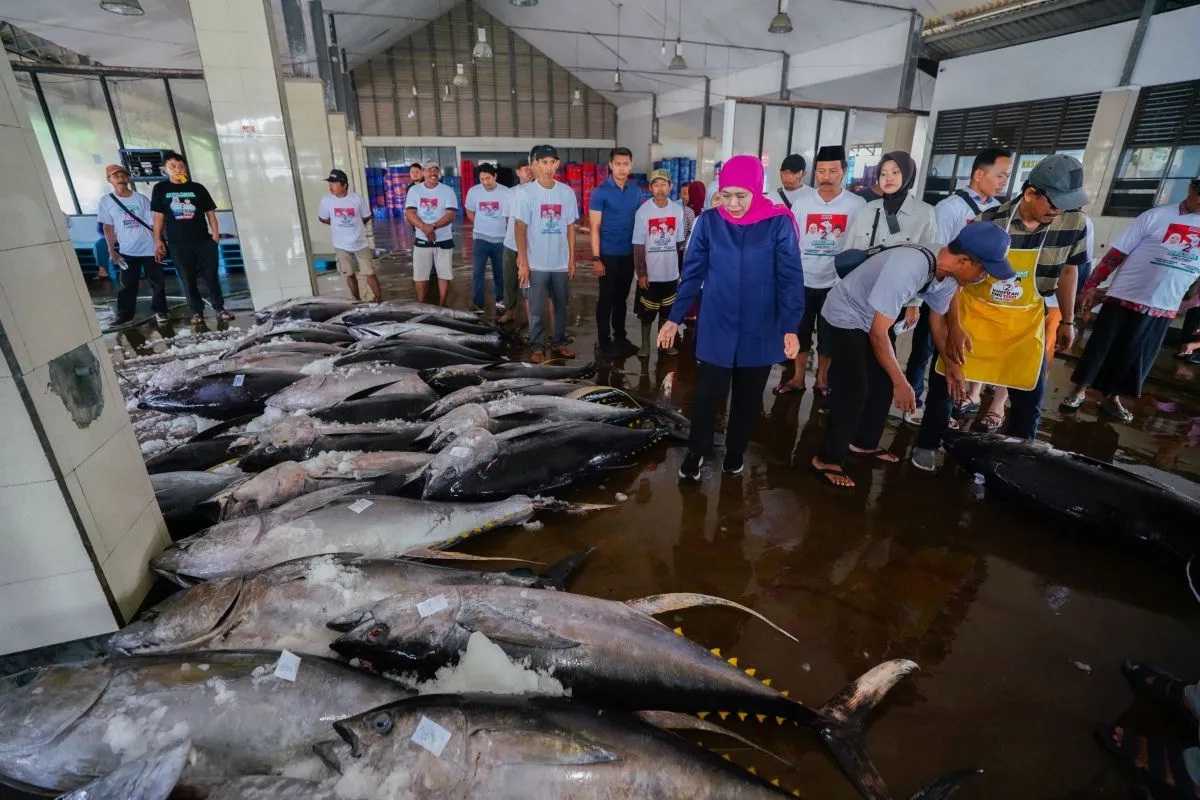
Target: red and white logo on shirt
661 232
428 203
343 212
489 208
823 233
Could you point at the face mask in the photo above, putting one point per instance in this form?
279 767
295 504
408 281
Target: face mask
182 177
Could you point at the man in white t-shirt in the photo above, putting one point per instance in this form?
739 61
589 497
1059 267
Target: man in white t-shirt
514 298
347 214
791 179
429 207
658 231
1153 264
487 206
823 215
129 231
545 236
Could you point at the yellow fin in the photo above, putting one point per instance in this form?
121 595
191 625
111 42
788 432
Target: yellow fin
726 757
761 717
786 693
753 770
775 781
733 661
723 715
751 671
742 715
679 631
716 651
766 682
703 714
779 720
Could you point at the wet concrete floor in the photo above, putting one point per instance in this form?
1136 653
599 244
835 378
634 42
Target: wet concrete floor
1019 627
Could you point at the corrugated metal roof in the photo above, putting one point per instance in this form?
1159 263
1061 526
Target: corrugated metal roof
1028 23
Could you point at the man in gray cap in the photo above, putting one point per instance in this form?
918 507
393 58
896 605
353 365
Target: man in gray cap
998 328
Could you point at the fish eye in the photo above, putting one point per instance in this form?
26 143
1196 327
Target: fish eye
381 723
377 632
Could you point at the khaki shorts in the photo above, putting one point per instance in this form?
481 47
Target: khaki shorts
427 259
346 261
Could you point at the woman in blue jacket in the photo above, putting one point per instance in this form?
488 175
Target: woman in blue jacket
746 255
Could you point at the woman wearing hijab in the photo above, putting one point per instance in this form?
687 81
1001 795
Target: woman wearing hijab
747 257
898 216
693 206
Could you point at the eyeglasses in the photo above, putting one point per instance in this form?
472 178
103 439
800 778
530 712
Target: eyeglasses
1049 202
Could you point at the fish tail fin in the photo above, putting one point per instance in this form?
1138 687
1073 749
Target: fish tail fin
553 505
561 571
845 717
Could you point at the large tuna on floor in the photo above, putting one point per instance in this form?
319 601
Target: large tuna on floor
1090 494
539 458
293 331
609 653
445 380
416 352
488 747
300 438
402 312
286 606
343 383
181 496
315 309
401 400
494 390
221 395
151 777
63 726
333 520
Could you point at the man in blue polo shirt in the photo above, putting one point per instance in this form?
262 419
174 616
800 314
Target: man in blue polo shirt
611 210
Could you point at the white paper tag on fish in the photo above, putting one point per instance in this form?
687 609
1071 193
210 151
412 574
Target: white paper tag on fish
287 666
239 379
431 736
433 605
359 506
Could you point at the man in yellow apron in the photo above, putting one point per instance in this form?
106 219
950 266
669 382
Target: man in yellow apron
997 327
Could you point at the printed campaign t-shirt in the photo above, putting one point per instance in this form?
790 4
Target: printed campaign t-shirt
885 283
823 229
491 210
133 238
660 231
1162 249
546 214
431 204
183 206
346 215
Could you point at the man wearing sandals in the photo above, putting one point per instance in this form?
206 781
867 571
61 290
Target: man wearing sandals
997 329
865 377
1153 265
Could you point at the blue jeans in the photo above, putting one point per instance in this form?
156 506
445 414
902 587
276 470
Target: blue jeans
1023 415
483 250
541 286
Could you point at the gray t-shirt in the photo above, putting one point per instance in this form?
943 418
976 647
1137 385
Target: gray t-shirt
885 283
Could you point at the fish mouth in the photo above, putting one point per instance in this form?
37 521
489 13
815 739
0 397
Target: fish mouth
327 751
349 737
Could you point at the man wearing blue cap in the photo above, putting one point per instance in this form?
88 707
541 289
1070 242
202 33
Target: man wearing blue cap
866 378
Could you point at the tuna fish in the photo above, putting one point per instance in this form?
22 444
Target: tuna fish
221 395
269 787
401 400
151 777
180 495
610 653
494 390
334 520
63 726
285 606
1092 495
445 380
378 332
402 312
315 309
294 331
300 438
502 748
342 383
418 353
205 450
535 459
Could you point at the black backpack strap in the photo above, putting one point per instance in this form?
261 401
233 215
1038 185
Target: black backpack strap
970 201
784 198
874 228
124 208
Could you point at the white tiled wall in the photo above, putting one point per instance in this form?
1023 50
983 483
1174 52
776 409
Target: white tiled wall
50 588
309 126
238 56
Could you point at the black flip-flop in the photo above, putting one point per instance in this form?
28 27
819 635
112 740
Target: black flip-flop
875 454
825 472
787 388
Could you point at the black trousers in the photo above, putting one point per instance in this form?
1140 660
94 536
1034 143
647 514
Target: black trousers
921 354
1024 413
195 261
1121 351
862 395
128 293
613 297
713 384
1191 324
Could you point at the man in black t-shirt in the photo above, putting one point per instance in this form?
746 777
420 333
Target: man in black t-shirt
185 219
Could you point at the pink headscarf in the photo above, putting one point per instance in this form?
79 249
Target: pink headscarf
746 172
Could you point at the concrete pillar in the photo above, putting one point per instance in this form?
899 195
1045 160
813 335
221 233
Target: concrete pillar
237 52
313 151
899 132
707 155
339 139
1102 155
78 519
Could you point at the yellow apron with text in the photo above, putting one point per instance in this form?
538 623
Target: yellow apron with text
1006 323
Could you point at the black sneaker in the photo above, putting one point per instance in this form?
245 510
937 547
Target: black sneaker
734 464
689 470
624 348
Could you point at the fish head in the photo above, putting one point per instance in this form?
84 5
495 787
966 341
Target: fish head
288 435
380 747
401 633
471 450
975 452
448 427
214 552
185 620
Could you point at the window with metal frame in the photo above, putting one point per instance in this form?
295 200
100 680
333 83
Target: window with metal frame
1162 150
1031 130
